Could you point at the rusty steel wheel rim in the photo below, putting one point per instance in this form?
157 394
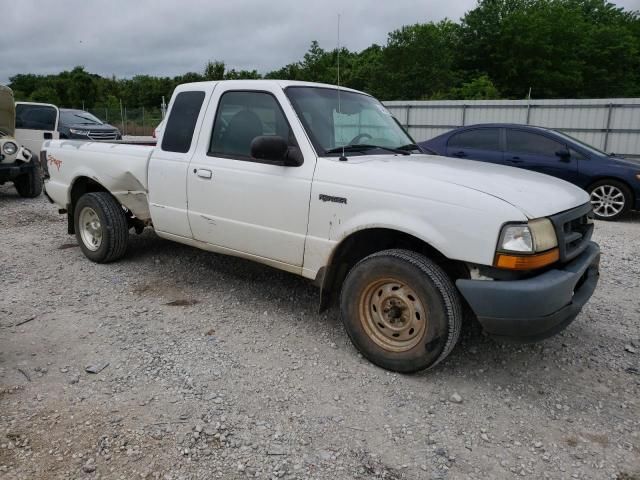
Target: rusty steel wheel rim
392 315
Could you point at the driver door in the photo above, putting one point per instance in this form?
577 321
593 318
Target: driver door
241 204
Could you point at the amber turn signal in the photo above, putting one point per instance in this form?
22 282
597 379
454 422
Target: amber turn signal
527 262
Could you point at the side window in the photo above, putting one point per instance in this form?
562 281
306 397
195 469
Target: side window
532 144
243 116
479 139
35 117
182 122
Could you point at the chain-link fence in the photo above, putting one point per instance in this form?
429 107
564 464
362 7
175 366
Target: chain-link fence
140 121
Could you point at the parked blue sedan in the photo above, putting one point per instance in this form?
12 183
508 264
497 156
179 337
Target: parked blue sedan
612 182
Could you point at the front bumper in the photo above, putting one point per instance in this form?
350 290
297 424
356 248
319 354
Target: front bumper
538 307
9 171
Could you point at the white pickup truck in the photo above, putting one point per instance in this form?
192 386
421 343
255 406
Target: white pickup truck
323 182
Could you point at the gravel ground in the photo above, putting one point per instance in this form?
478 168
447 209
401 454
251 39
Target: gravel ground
215 367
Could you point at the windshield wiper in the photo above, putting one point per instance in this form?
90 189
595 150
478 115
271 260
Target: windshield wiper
410 146
361 147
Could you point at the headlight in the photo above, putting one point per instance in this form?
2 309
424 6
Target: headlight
516 238
78 132
527 246
10 148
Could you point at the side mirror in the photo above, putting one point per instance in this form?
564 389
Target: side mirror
564 155
274 148
269 147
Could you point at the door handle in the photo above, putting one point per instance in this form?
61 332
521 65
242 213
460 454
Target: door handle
203 172
460 154
515 160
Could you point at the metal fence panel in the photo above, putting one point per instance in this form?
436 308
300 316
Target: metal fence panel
611 124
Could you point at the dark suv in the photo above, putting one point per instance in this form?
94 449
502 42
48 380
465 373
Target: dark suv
81 125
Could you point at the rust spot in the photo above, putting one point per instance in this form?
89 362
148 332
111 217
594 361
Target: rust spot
600 438
182 302
571 441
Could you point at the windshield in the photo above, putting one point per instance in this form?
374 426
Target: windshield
586 146
79 117
353 120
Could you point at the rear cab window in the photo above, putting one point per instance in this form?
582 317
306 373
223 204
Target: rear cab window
35 117
182 120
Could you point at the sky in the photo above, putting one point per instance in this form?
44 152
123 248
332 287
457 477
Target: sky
130 37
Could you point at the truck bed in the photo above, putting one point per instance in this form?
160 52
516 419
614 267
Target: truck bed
119 168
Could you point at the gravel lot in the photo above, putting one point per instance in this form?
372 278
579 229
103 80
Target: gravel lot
220 368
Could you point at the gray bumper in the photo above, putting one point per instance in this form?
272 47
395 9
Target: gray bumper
538 307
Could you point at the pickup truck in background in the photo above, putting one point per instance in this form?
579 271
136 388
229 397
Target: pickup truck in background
323 182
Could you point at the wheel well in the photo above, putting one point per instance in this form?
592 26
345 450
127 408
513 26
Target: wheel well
366 242
80 186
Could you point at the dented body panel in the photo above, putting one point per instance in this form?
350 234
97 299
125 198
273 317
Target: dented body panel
120 169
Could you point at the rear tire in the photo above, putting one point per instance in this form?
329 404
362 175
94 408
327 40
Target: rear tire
401 310
101 227
29 185
610 199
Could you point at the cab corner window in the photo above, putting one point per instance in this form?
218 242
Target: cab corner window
243 116
182 122
478 139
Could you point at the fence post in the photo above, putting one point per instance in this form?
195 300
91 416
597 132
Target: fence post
606 133
407 122
528 112
464 113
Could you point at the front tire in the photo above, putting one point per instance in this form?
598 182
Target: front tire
401 310
101 227
610 199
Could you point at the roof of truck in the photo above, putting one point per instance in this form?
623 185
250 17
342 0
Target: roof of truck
281 83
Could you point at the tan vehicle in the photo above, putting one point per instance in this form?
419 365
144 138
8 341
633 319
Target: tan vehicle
17 164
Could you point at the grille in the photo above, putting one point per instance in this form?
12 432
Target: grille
574 229
103 135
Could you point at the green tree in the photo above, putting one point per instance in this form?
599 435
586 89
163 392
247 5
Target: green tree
214 70
418 61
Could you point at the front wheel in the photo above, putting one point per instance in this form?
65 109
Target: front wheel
401 310
101 227
610 199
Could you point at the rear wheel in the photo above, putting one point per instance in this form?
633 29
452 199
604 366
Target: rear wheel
610 199
401 310
101 227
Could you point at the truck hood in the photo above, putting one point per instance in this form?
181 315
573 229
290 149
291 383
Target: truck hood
534 194
7 111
